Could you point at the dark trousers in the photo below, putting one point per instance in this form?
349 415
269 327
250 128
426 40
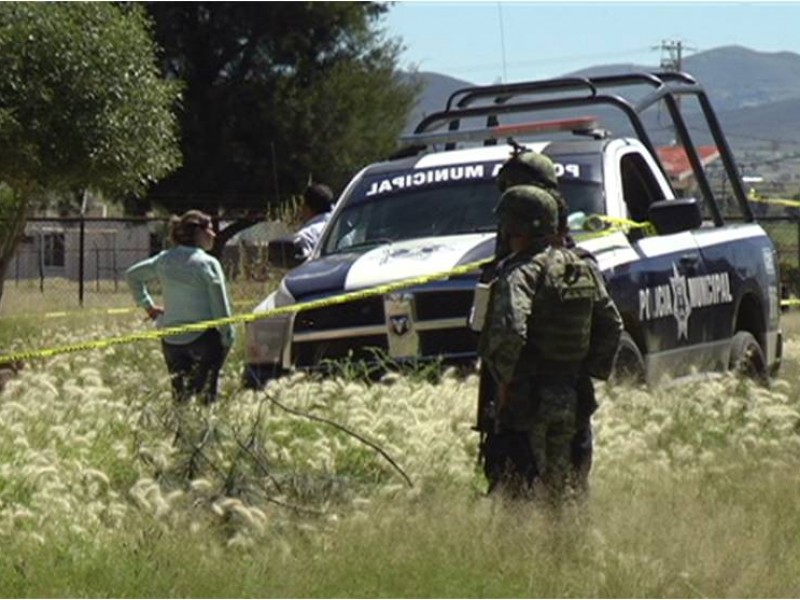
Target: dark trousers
582 443
508 461
194 367
582 457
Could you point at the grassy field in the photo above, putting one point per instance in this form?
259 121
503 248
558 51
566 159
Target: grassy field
56 295
340 488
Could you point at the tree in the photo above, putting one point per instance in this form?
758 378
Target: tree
82 106
276 93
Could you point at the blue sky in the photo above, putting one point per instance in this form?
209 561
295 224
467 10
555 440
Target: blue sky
488 42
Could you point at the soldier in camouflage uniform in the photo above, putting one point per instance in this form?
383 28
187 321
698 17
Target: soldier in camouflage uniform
528 167
536 343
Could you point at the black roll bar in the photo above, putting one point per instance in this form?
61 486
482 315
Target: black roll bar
668 86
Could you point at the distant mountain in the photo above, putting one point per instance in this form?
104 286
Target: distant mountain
770 122
733 76
737 77
756 94
435 90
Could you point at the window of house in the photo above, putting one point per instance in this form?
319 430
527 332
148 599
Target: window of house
53 249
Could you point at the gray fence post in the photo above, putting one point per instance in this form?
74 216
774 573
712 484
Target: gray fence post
81 243
797 222
41 262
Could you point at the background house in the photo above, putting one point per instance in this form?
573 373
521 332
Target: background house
51 247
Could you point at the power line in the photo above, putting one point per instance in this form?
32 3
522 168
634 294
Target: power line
541 61
673 61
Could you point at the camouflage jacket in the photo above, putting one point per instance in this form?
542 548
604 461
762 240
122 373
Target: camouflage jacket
533 319
607 326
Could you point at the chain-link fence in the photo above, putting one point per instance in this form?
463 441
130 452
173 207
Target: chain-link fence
785 234
69 263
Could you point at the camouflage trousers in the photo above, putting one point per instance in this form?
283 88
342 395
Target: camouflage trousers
539 447
551 437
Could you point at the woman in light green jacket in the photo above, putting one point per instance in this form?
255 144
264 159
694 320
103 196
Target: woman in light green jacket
194 290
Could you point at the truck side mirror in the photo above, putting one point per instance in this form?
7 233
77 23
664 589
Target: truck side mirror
283 253
674 216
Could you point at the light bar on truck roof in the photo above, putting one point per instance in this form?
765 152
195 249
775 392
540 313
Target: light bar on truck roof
499 132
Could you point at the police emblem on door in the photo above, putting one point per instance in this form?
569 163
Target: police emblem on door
400 316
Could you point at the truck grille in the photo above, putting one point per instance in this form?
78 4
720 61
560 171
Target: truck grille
331 333
444 304
340 316
446 342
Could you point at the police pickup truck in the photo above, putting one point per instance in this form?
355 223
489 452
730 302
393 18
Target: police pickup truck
698 291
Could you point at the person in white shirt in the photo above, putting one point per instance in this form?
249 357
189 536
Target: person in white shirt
316 211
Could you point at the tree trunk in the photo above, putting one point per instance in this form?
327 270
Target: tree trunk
13 217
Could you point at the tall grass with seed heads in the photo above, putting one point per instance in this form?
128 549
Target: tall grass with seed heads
342 487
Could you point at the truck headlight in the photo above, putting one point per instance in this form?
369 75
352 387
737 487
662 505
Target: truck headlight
265 339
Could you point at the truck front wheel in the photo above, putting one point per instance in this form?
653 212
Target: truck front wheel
628 363
256 377
747 357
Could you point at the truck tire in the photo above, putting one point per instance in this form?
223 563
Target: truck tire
628 363
256 377
747 357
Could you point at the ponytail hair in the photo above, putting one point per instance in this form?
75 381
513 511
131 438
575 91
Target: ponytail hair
183 229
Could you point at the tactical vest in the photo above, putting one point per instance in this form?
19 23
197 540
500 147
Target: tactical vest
560 326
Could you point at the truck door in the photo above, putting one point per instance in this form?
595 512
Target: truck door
667 267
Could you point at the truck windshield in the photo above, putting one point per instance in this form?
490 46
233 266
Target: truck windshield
415 213
371 216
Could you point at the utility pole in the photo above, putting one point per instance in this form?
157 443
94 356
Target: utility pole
672 58
672 55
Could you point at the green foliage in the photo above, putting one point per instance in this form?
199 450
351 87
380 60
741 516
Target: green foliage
83 105
12 219
276 92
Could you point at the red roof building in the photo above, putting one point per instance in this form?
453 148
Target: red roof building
676 163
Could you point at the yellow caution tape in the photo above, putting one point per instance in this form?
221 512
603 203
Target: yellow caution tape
59 314
753 197
616 223
244 318
603 225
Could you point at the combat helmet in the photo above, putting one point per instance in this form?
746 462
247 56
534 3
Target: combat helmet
526 167
528 207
